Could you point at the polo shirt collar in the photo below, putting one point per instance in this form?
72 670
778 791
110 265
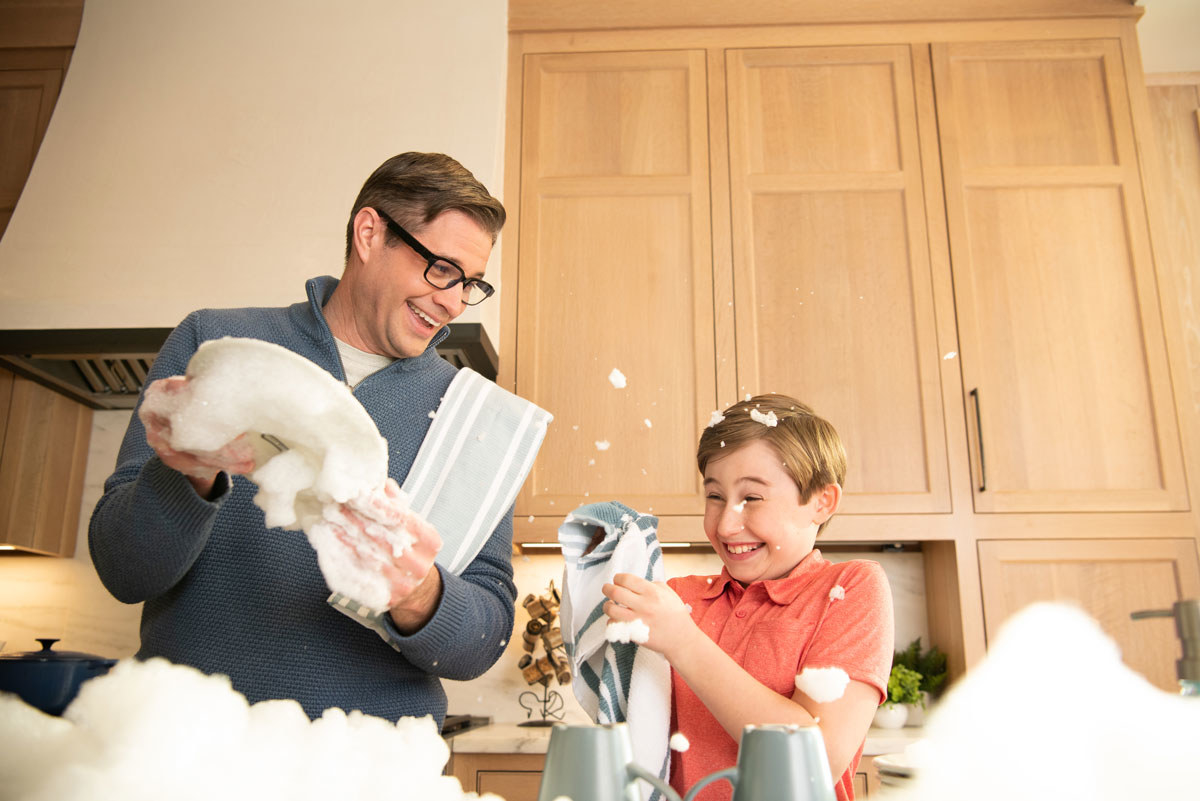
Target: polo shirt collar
781 590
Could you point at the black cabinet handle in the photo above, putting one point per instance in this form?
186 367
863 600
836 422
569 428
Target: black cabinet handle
979 439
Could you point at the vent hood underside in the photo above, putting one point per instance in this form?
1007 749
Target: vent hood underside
105 368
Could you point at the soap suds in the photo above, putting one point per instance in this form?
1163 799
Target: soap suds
319 461
716 418
151 730
1053 692
617 378
679 742
822 684
769 419
634 630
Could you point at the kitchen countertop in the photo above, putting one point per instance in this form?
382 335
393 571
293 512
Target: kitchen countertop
510 738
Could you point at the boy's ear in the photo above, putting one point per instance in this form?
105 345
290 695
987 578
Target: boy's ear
828 501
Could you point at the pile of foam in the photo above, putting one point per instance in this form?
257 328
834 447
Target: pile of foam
320 462
152 730
1053 713
823 685
634 630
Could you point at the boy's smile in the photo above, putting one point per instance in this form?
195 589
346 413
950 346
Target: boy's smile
753 514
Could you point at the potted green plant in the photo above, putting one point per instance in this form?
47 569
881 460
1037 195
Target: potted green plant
904 689
931 664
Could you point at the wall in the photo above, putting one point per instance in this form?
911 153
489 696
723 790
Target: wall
63 598
1169 35
207 154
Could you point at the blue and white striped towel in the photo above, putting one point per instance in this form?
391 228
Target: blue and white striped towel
616 682
468 470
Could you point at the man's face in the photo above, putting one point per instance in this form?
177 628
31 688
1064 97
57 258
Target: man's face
397 311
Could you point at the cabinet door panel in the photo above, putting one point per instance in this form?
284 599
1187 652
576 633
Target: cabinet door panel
1059 326
616 273
510 785
1109 579
26 99
42 465
834 299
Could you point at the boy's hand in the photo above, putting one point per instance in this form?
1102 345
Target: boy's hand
655 604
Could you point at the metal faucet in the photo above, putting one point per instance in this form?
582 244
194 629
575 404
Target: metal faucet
1187 626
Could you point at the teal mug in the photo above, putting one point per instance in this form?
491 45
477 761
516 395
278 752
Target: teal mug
776 763
594 763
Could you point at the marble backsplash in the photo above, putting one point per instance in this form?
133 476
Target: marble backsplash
63 598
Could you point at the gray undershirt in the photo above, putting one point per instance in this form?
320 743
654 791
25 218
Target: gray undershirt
359 364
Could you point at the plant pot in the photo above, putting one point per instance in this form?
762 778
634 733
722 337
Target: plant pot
917 713
891 716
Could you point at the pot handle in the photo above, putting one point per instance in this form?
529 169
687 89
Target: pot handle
638 772
47 642
728 773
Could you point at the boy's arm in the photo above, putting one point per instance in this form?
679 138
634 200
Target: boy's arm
734 697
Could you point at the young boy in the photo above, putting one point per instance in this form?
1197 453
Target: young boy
736 642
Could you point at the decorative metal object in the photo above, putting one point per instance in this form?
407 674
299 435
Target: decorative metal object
553 665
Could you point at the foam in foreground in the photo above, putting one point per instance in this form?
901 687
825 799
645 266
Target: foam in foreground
152 730
1053 713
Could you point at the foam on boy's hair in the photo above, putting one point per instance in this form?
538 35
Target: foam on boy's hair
810 448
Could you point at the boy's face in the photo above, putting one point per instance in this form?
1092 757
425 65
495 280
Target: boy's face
753 515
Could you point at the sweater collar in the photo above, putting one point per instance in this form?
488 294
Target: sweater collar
781 590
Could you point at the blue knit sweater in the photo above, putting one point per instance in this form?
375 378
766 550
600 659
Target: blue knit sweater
226 595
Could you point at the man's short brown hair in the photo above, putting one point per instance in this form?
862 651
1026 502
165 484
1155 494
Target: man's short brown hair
808 445
414 188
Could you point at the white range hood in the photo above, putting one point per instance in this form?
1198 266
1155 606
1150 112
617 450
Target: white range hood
206 153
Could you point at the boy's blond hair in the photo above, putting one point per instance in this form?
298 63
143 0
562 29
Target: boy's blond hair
811 450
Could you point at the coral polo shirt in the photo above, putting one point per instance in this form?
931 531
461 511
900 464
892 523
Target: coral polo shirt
774 629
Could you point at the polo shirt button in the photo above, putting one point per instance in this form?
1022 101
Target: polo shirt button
740 613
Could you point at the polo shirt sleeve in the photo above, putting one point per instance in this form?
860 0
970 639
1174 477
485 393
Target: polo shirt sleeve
857 631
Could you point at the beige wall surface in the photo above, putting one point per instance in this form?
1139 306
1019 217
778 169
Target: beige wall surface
207 154
1169 35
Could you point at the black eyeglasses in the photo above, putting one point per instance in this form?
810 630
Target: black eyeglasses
441 273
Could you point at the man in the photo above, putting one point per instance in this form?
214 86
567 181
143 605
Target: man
180 533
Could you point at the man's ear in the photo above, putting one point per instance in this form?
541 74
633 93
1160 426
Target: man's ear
828 501
365 228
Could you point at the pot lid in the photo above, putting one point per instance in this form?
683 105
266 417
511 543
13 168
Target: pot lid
47 654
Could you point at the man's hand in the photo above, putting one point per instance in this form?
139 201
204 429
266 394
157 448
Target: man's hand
655 604
370 528
200 467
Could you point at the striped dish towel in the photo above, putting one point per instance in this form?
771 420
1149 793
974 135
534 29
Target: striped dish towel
468 470
616 682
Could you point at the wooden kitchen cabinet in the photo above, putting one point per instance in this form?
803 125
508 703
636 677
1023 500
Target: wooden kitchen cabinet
832 282
1108 579
43 456
1063 353
615 274
928 221
617 270
37 38
514 777
823 243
